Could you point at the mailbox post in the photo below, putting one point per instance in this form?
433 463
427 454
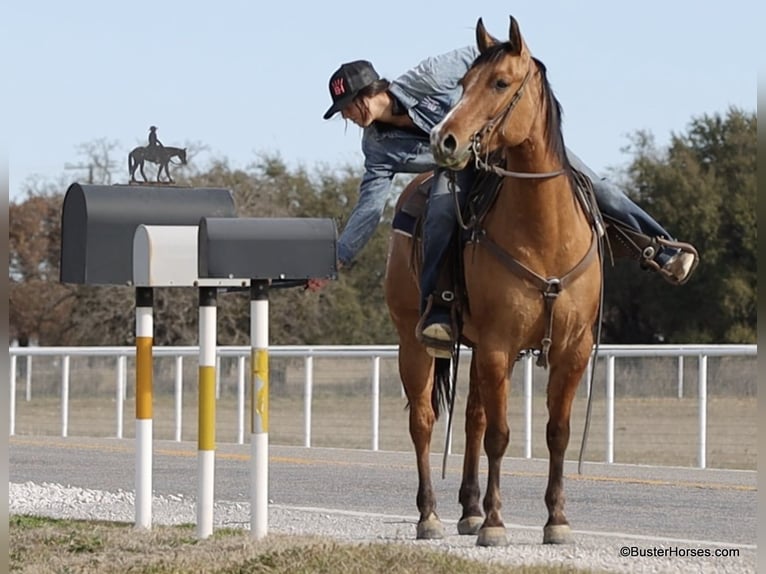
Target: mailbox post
98 228
272 252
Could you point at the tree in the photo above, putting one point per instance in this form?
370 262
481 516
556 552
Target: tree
702 189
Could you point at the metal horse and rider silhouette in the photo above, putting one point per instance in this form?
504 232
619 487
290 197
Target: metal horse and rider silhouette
156 153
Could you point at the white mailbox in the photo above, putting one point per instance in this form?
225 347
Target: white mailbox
166 256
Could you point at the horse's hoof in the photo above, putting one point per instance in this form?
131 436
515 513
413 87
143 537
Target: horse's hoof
430 528
469 525
492 536
557 534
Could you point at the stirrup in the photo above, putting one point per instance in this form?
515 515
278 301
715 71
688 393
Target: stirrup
437 344
682 247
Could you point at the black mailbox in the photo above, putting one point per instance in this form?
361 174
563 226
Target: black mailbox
98 223
267 248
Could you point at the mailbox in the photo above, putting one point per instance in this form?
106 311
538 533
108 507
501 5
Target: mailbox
268 248
99 222
166 256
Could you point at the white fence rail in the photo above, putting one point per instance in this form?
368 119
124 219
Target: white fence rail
609 353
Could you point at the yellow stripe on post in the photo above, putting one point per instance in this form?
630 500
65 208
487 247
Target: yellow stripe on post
144 377
259 360
206 423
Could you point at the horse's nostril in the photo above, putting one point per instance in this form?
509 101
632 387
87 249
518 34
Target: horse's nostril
449 144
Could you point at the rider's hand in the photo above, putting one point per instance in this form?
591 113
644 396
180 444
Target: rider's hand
315 284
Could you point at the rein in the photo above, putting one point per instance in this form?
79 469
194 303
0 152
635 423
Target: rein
550 287
499 119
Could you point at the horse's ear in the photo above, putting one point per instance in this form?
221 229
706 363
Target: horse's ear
483 40
514 36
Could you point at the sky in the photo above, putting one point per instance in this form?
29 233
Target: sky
247 77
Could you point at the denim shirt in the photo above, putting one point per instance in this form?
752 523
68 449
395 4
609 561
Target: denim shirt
427 92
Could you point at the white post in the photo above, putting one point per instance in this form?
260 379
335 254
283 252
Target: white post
13 395
610 409
259 381
121 361
241 400
375 402
308 394
702 382
29 378
528 406
206 425
179 397
589 377
65 396
680 376
144 405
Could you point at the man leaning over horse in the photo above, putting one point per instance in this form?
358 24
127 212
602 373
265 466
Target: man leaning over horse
397 118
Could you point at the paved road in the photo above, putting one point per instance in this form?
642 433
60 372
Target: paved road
659 503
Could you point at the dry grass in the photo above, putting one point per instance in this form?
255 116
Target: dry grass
43 545
661 431
652 425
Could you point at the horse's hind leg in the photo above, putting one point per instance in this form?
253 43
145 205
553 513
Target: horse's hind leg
475 423
416 371
565 376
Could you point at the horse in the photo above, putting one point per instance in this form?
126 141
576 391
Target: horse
161 155
532 280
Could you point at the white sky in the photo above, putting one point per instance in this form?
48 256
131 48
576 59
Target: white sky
249 76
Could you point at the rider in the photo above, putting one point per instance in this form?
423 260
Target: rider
397 117
154 143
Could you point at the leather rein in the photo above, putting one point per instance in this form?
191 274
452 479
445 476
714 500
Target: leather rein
550 287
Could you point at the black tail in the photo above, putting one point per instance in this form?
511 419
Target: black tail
441 394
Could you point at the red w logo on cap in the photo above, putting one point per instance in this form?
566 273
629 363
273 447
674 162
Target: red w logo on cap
337 87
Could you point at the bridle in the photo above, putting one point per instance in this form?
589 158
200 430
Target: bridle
482 163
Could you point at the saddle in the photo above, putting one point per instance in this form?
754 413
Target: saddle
451 293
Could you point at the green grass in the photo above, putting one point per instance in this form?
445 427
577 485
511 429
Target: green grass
43 545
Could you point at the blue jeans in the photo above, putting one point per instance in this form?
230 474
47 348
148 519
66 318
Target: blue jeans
614 203
439 225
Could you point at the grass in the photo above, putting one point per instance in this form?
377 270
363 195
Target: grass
661 431
45 545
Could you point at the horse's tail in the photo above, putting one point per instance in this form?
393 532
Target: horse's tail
441 394
131 162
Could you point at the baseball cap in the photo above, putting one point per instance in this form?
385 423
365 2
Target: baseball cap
346 83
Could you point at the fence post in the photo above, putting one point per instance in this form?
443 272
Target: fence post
241 399
121 361
610 409
375 402
179 396
308 389
65 396
680 376
528 406
13 395
29 378
702 382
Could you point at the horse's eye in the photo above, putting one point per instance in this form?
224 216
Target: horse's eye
501 84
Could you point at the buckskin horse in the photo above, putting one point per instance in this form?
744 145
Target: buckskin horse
532 280
161 155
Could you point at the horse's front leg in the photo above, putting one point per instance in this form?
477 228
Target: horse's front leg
416 371
564 379
492 370
475 423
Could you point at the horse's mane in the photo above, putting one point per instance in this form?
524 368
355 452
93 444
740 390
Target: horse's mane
554 138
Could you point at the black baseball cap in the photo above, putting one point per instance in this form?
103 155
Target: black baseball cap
346 83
